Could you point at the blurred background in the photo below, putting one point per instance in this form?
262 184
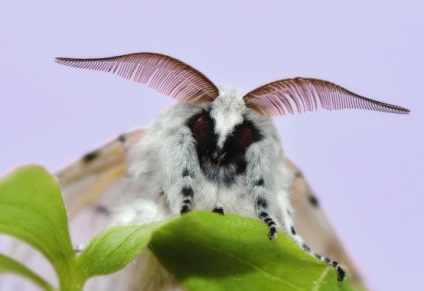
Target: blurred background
366 167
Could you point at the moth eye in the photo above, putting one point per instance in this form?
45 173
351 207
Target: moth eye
202 128
245 136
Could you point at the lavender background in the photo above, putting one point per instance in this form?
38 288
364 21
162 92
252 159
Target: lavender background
366 167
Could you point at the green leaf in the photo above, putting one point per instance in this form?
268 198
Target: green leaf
32 210
114 248
11 266
206 251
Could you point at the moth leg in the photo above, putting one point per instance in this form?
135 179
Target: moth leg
187 159
187 190
259 191
291 232
261 205
263 214
187 193
257 185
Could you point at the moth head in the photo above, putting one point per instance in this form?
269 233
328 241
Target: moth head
221 130
186 84
227 111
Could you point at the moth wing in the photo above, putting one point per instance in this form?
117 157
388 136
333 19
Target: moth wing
91 187
314 227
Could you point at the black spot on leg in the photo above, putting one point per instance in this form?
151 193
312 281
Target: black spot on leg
306 248
187 173
271 223
313 200
90 157
184 209
272 232
259 183
218 210
327 260
188 192
261 202
341 274
293 231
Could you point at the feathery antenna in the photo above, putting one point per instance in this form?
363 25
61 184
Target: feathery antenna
307 94
163 73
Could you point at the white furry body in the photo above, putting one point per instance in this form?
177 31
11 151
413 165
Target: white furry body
168 146
156 164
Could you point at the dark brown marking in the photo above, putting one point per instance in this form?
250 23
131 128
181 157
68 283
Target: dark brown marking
313 200
90 156
298 174
102 210
122 138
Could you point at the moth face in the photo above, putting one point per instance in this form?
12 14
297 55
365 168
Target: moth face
223 135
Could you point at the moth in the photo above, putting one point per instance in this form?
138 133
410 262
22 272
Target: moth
217 149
